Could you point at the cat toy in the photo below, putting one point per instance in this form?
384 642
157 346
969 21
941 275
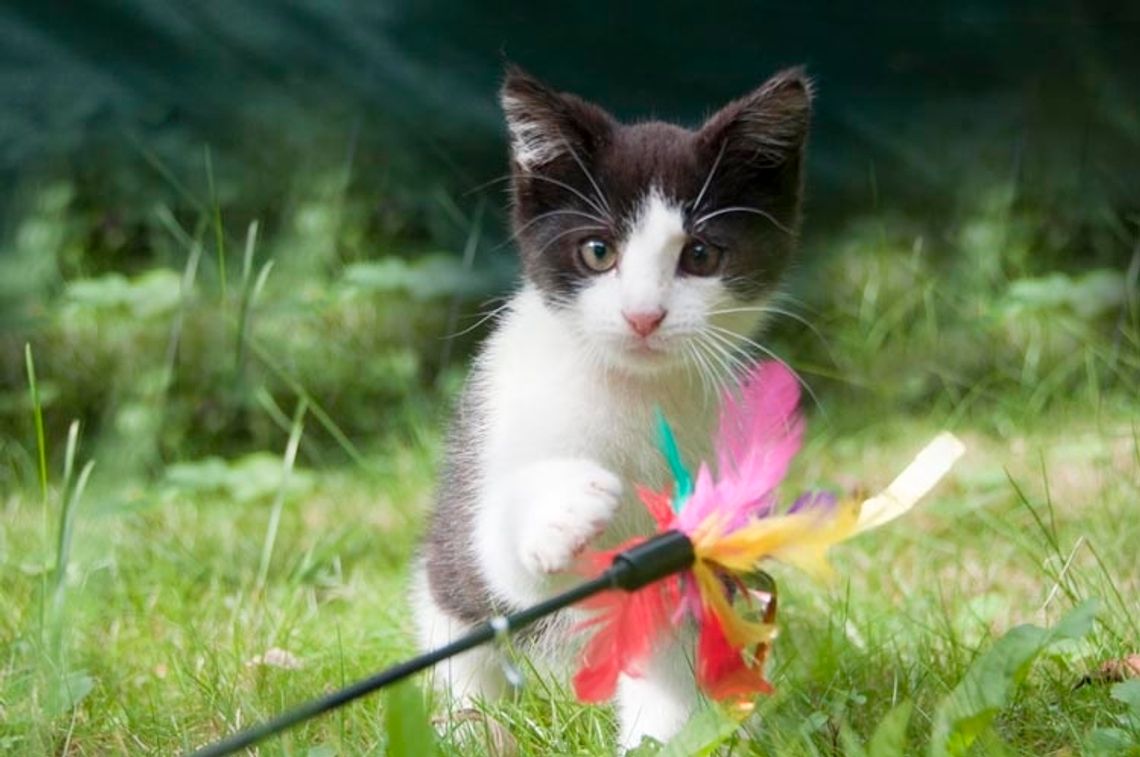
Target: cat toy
703 567
732 522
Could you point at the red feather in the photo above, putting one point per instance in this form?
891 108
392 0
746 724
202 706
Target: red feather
659 505
721 670
627 626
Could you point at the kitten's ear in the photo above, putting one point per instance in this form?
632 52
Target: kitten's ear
546 125
769 124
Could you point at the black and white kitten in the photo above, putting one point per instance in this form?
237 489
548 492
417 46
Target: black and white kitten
648 252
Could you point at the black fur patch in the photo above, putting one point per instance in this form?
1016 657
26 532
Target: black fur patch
456 582
750 153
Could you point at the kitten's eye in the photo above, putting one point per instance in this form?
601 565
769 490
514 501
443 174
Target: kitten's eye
700 259
597 255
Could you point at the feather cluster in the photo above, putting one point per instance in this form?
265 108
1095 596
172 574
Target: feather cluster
732 518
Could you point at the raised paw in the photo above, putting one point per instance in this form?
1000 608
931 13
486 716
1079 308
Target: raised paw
566 503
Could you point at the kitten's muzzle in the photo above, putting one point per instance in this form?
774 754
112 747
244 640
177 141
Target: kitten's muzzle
644 323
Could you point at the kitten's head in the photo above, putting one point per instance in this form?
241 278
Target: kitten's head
644 237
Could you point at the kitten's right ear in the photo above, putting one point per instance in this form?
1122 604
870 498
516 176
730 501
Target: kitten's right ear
769 124
546 125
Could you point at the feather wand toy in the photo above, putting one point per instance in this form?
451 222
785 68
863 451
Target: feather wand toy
731 519
704 564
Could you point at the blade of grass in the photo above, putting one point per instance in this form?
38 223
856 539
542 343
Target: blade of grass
406 723
66 527
245 316
189 277
63 558
343 681
38 417
246 294
287 463
41 456
216 219
318 412
166 217
1127 612
272 409
69 459
162 170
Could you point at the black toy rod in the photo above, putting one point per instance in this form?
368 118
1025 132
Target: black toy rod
650 561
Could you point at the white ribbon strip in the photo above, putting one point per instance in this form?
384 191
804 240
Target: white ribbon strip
917 479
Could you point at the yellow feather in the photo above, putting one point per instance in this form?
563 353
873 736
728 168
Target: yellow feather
803 539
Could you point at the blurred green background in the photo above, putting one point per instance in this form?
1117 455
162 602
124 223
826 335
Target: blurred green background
974 173
248 248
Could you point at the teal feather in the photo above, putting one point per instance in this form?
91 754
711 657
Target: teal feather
682 479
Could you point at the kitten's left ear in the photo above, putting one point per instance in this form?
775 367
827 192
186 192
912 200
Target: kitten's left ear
546 125
770 124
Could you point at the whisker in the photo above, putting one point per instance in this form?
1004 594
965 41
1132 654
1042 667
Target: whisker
772 355
707 389
777 311
590 177
516 234
486 316
692 363
560 212
716 384
743 209
712 387
709 385
784 296
567 232
721 373
484 185
722 334
734 367
602 223
541 177
709 178
737 362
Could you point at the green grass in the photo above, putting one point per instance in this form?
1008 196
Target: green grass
241 480
165 604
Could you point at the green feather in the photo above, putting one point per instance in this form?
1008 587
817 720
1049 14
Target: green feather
682 480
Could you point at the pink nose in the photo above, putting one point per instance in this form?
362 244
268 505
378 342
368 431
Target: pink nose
645 323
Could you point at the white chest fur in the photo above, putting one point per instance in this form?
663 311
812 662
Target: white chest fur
554 421
546 397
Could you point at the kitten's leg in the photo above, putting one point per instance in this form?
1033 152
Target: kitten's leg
658 703
464 678
535 521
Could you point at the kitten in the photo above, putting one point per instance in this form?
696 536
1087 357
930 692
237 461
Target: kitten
647 251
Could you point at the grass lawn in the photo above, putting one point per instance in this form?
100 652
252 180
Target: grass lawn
232 552
158 635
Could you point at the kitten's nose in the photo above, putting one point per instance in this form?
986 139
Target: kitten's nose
644 323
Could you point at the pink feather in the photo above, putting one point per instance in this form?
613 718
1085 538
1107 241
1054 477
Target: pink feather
760 431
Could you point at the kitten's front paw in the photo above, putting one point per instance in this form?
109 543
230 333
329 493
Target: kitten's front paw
567 503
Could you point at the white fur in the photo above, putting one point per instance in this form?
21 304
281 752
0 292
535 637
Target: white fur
659 702
568 400
533 142
648 264
466 676
582 508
